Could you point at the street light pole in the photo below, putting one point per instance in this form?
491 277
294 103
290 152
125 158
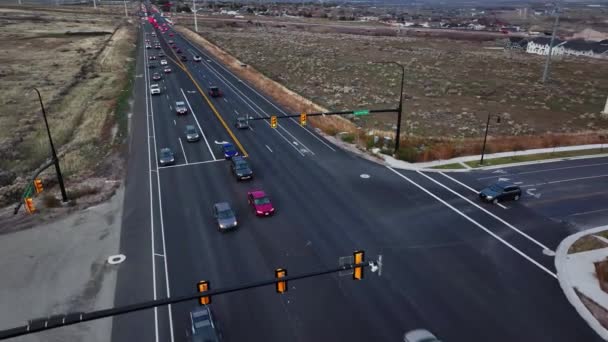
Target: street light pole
194 10
485 137
64 196
126 13
548 60
400 109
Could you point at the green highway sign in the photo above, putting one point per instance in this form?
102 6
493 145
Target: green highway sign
361 112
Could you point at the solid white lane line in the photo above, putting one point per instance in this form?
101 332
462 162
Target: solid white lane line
468 187
576 179
151 200
162 224
513 248
531 239
256 92
544 170
159 255
589 212
268 147
563 181
198 124
183 151
191 164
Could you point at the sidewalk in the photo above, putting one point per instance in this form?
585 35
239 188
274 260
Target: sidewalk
427 166
576 272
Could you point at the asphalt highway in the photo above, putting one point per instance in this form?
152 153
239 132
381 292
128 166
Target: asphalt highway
463 270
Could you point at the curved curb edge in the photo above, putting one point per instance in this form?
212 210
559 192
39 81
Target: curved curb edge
561 255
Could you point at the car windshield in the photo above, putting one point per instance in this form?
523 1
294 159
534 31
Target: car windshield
190 130
496 187
228 148
225 214
165 153
261 200
242 166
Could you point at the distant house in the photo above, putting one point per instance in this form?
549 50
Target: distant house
577 47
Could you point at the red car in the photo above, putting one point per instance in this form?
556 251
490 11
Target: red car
170 34
260 203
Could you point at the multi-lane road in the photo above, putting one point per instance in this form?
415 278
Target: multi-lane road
466 271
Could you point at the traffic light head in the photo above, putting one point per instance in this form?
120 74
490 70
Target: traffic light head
203 286
273 121
38 185
303 119
29 205
358 258
281 286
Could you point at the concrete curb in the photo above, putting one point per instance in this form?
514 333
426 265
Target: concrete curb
400 164
561 255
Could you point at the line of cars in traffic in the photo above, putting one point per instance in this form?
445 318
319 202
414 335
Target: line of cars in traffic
202 322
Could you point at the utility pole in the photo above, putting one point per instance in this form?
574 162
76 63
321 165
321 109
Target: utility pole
548 61
606 107
94 4
485 137
126 13
64 196
400 109
194 10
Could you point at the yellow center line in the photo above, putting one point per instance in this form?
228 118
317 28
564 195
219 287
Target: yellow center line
200 90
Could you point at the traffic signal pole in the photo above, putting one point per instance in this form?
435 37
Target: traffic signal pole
56 321
64 196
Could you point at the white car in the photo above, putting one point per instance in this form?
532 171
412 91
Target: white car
420 335
163 62
154 89
197 58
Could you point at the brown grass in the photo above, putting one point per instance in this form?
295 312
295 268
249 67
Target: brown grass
287 98
423 149
598 311
586 243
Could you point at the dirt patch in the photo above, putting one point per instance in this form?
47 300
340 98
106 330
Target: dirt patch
450 85
586 243
599 312
79 64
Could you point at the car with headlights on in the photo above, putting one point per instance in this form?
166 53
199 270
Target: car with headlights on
240 168
225 216
192 134
180 108
166 157
260 203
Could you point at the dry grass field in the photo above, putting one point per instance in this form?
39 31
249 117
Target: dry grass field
80 64
450 84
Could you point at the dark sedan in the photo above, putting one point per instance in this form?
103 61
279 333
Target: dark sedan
499 192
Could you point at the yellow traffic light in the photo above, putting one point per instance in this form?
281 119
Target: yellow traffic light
281 286
203 286
273 121
358 259
38 185
303 119
29 205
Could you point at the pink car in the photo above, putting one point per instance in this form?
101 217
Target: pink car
260 203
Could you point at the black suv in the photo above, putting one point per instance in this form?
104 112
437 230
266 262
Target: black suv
499 192
240 168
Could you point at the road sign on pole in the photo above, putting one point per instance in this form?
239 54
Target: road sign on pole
361 112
